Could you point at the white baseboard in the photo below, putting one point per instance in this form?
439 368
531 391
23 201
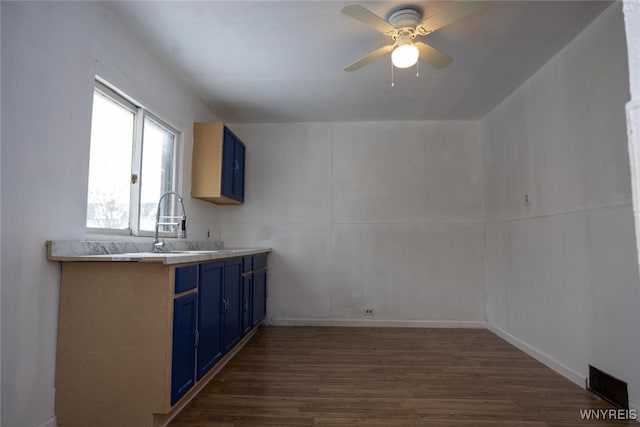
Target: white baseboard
51 422
480 324
541 357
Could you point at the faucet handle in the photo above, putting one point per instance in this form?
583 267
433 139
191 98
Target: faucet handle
182 233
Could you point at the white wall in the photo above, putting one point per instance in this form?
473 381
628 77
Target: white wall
561 274
0 222
365 215
632 25
50 55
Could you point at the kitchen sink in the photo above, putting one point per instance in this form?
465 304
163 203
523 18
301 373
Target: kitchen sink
210 251
166 253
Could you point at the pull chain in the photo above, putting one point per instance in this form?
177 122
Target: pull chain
392 84
417 72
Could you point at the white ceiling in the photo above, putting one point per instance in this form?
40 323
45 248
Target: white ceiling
282 61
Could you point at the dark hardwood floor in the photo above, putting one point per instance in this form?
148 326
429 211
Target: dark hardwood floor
293 376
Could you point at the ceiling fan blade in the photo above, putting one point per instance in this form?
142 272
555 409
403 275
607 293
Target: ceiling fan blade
450 14
370 57
433 56
368 18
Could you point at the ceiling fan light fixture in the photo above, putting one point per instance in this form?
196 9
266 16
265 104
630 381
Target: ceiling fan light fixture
405 55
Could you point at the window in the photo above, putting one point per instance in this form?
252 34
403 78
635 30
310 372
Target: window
132 163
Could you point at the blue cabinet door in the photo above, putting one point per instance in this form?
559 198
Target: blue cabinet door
238 177
232 303
228 163
233 152
259 295
247 306
184 346
209 316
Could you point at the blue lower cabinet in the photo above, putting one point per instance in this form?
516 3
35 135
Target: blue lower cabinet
259 295
247 302
184 345
210 305
232 303
210 322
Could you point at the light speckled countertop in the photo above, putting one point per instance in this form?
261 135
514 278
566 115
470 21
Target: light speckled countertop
176 252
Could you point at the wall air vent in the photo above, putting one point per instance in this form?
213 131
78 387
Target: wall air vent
608 387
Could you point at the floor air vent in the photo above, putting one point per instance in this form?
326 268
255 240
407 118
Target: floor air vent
609 388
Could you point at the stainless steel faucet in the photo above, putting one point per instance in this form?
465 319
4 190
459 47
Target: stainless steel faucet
182 231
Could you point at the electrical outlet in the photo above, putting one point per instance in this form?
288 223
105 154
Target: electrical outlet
368 312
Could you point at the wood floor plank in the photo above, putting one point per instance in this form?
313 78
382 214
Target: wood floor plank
300 376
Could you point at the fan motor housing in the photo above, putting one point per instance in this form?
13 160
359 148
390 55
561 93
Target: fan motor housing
405 18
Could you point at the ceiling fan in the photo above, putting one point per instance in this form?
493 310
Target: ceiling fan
403 26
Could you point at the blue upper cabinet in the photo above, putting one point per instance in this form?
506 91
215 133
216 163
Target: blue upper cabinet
217 173
232 166
228 162
238 172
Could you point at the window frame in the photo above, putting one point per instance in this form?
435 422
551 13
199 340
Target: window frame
140 115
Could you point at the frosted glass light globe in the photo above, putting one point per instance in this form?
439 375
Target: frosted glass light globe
405 55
